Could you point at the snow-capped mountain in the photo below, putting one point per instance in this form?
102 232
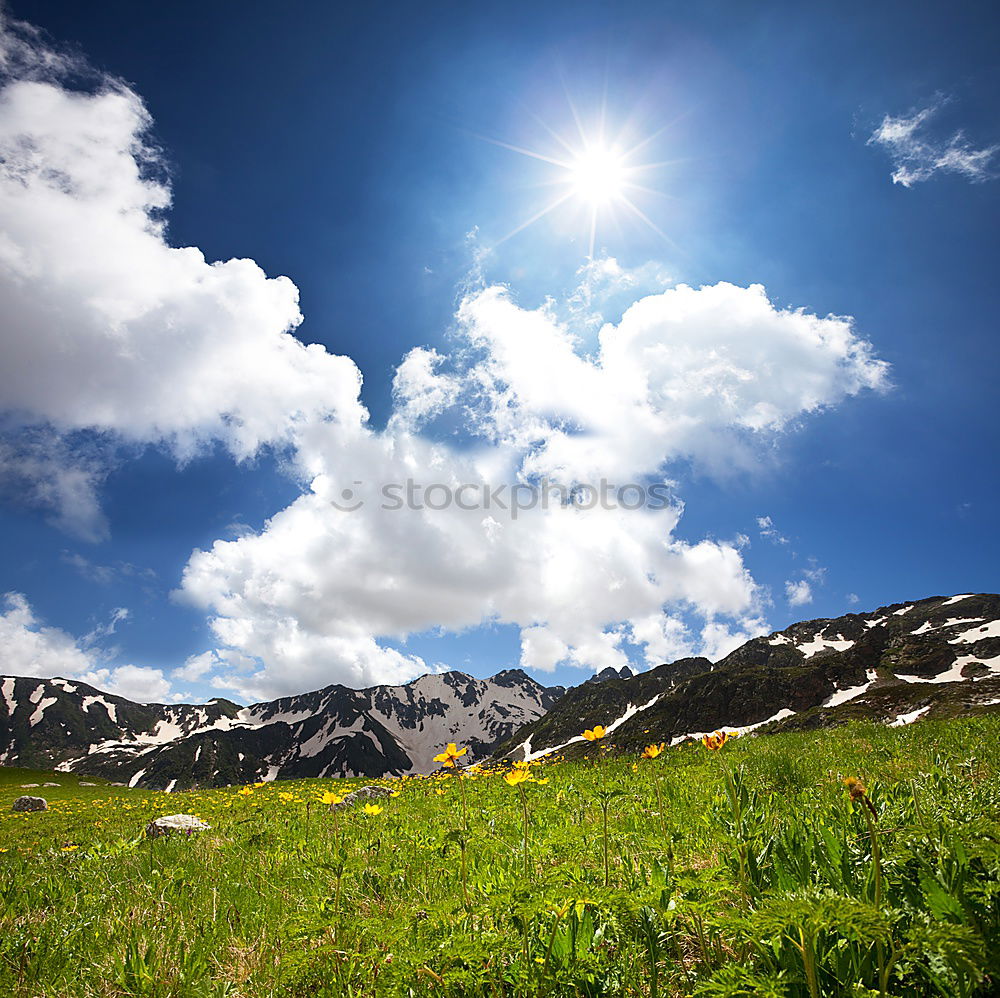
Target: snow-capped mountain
332 732
936 657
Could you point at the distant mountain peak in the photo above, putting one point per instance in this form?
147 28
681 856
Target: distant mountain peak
611 673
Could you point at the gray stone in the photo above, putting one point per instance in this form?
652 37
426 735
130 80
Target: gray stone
82 784
30 804
185 824
51 784
25 786
360 795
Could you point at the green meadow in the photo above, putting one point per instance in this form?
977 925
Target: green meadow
749 871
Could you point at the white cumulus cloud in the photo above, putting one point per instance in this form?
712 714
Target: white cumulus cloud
799 592
702 374
32 648
107 327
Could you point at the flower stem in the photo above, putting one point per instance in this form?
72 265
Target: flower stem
524 812
607 868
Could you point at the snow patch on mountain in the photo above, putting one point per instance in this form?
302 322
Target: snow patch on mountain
733 729
630 711
955 674
913 715
850 693
39 712
819 643
8 695
990 630
926 627
112 710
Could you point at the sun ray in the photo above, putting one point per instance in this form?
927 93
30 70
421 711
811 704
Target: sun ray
551 206
638 211
649 190
525 152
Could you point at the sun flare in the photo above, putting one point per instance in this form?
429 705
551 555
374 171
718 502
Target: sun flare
600 176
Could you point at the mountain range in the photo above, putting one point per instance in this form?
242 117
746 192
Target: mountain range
336 731
935 657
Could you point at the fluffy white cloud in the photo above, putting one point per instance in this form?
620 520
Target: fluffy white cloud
107 327
32 648
699 374
134 682
799 592
198 666
694 373
917 155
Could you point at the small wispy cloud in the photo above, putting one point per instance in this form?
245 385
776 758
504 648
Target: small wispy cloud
769 531
799 593
917 154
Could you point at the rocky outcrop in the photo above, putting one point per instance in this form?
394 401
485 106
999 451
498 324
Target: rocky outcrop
30 804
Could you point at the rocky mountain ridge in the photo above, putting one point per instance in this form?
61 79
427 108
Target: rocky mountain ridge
934 657
336 731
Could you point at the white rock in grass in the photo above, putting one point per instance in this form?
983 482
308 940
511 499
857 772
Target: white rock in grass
82 784
167 825
361 794
25 786
30 804
51 784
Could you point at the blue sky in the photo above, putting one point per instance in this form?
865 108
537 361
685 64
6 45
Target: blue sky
352 153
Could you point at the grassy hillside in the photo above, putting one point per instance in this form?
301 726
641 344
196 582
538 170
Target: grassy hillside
749 871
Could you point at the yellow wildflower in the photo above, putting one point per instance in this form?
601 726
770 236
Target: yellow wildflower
246 791
652 751
516 776
855 787
714 742
330 798
450 754
596 733
372 809
285 796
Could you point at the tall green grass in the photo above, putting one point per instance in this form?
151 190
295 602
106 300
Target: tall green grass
771 883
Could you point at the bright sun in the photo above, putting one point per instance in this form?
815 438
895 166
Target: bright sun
598 175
